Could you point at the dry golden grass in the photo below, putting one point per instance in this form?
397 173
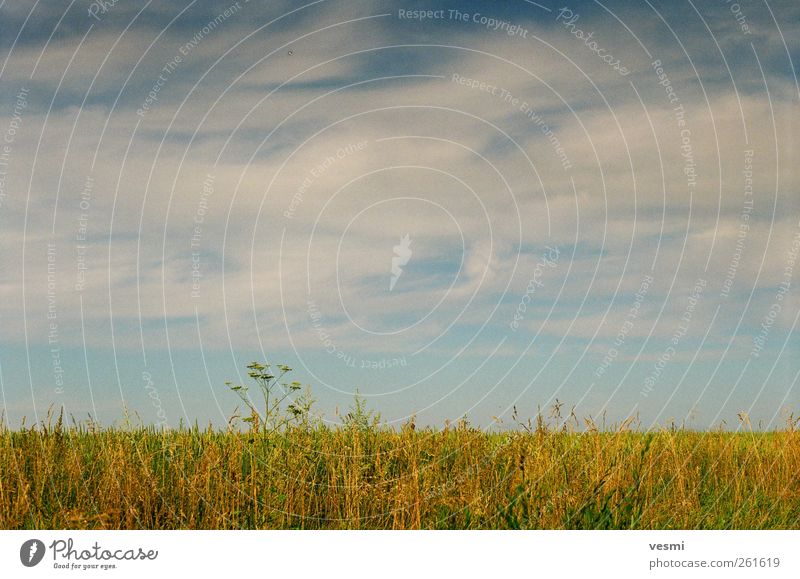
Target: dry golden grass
366 477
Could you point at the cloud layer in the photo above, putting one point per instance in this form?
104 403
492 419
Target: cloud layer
188 186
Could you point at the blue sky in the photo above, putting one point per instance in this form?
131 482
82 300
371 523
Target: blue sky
601 201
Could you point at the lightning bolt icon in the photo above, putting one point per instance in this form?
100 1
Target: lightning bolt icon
402 254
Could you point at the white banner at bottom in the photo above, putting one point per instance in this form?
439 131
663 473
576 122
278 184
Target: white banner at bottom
406 554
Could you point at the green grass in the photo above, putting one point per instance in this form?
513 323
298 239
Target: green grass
363 476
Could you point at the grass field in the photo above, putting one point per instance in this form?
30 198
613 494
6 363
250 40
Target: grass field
362 476
279 467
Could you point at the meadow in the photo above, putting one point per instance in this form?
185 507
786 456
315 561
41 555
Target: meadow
285 470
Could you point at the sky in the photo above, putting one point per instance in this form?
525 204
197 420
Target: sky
452 209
